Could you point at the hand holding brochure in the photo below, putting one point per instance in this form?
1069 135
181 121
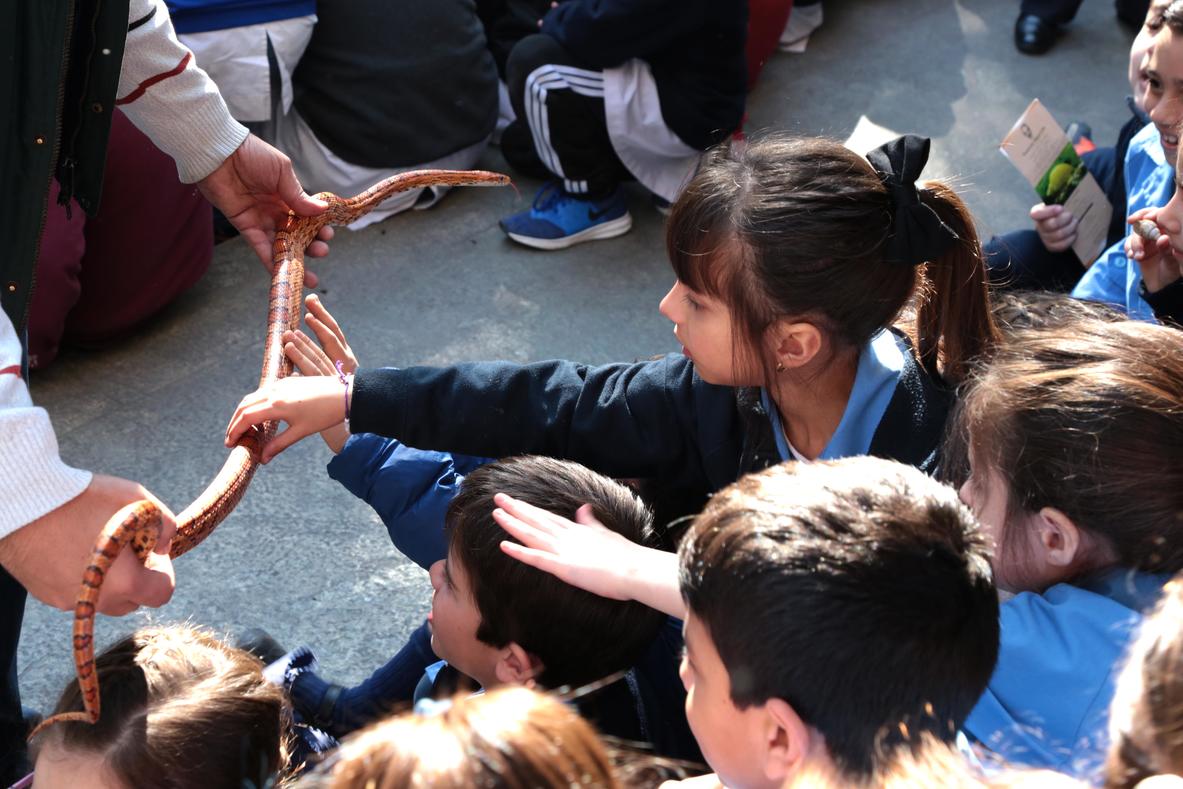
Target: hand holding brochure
1042 152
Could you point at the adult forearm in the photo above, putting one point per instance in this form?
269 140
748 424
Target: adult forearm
173 101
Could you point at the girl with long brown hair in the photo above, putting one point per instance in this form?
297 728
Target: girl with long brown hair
1075 436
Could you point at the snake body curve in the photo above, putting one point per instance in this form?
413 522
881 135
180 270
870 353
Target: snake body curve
139 524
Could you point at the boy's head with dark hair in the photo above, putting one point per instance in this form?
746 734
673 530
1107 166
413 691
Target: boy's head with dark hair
500 621
836 611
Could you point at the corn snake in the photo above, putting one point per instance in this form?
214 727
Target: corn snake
139 524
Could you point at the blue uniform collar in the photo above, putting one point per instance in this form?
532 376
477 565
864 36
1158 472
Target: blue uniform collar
880 363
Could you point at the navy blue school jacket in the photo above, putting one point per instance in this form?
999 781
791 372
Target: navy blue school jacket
654 420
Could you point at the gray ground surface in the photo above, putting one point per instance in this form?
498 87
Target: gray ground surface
304 558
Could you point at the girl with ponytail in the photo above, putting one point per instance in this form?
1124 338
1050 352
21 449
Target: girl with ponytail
796 262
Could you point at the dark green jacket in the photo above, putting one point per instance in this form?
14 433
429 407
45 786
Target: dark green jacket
58 80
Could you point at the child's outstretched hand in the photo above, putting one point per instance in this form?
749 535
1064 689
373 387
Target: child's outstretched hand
1155 258
1056 226
308 405
328 334
586 554
312 359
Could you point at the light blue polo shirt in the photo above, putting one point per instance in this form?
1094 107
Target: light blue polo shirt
1047 704
880 364
1114 279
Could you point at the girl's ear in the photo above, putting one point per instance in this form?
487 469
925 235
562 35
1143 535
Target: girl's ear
515 666
795 343
1059 538
788 741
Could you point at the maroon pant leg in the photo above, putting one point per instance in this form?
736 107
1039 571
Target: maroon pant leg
151 241
56 287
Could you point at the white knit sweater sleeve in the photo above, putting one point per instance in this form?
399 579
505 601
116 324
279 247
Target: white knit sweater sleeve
33 478
170 99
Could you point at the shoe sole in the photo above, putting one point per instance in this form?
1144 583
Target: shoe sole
612 229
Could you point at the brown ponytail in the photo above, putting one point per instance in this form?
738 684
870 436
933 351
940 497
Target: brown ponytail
954 322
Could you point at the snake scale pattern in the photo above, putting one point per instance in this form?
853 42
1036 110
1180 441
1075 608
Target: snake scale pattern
139 523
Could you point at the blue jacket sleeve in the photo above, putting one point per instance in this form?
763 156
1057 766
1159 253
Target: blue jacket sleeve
624 420
605 33
409 489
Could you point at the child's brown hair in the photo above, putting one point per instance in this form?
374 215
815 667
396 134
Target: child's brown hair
806 226
180 709
509 738
1087 417
1146 717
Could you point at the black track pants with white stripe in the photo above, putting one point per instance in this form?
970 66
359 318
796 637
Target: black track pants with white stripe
560 126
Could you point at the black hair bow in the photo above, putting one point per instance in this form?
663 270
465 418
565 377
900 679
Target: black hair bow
917 233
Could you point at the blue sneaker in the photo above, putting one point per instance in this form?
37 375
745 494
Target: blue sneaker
559 219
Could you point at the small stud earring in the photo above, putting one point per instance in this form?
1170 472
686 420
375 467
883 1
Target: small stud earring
780 368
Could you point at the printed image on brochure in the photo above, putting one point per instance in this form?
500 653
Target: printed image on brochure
1042 152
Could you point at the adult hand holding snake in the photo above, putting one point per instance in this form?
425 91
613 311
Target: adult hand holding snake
49 554
254 188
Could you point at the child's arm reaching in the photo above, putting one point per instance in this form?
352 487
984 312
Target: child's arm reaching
311 359
316 401
585 554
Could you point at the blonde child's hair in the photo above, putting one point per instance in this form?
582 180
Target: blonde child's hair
935 765
509 738
180 709
1146 717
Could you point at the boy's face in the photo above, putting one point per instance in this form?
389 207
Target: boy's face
454 620
1141 48
731 739
1164 95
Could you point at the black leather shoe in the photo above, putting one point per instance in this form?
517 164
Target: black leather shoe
261 644
1035 35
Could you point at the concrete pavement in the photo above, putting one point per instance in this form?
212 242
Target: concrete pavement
312 564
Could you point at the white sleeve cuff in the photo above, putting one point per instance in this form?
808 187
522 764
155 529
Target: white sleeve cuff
164 93
33 478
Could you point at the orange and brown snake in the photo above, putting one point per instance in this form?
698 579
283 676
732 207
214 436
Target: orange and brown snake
139 523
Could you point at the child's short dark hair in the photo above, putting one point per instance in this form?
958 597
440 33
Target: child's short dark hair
858 591
579 637
180 709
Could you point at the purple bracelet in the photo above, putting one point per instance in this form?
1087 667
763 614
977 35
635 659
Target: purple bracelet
345 378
